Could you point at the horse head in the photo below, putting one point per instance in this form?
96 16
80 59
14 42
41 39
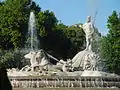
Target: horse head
42 57
30 55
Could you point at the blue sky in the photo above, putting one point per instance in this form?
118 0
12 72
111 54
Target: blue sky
75 11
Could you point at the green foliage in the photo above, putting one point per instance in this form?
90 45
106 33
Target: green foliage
77 39
64 41
11 59
35 8
46 22
11 16
110 46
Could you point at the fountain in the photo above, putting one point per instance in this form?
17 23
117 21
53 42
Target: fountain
32 39
81 71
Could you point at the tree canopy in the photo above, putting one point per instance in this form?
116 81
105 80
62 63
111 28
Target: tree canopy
110 44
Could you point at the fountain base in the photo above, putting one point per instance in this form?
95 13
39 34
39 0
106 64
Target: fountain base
68 82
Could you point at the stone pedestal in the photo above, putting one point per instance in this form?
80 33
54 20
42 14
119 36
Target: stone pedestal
91 73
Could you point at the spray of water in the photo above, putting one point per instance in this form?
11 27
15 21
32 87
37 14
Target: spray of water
32 40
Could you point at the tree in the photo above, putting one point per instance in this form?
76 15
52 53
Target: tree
77 39
12 59
46 22
110 44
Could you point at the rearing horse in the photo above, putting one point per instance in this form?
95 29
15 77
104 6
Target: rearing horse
32 57
39 58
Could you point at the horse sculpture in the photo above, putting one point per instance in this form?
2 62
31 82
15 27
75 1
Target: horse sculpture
32 57
39 58
43 59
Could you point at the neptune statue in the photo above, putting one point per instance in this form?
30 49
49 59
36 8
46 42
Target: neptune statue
89 31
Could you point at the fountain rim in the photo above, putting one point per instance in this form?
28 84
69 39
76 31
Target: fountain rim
63 77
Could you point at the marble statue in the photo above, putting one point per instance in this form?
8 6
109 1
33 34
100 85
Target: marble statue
88 28
87 59
90 62
32 57
66 66
39 58
42 58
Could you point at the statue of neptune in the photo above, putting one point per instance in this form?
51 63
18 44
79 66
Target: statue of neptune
89 30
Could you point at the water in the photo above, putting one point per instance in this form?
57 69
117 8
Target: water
32 39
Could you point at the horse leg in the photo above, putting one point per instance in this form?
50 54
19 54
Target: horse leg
32 68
